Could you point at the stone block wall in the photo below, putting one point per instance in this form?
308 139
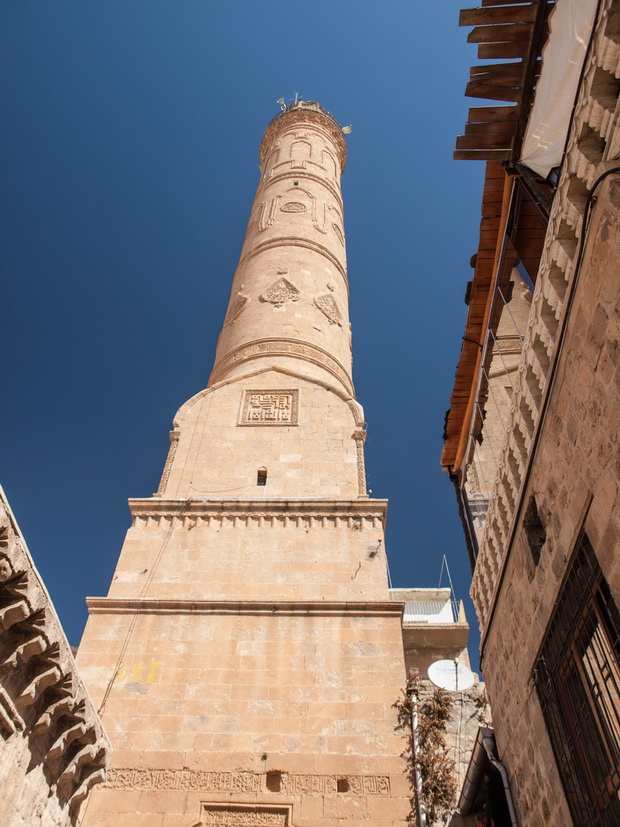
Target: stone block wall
52 746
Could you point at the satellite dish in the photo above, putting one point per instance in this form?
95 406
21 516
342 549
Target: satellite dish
451 675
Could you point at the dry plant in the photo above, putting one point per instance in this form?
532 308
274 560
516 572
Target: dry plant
435 765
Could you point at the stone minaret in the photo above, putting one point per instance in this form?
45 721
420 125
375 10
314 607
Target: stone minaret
247 656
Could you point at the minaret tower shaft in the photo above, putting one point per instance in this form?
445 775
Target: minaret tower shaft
247 656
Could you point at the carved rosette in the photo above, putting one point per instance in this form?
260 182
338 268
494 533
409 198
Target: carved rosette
281 292
360 439
327 305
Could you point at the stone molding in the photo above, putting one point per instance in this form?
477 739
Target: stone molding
321 608
293 348
42 698
307 175
295 241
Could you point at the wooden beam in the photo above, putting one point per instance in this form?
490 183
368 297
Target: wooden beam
513 32
504 2
491 129
494 92
481 154
498 14
498 72
487 114
502 50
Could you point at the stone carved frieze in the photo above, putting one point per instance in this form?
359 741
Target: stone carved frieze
327 305
243 782
281 292
270 407
339 233
259 521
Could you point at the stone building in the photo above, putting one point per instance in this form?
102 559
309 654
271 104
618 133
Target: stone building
532 436
248 655
52 746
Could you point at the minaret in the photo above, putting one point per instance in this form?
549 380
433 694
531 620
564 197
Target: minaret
247 657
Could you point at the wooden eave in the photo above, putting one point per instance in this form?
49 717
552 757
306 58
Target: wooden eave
495 205
506 30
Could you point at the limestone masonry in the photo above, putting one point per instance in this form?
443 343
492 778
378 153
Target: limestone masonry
53 746
248 655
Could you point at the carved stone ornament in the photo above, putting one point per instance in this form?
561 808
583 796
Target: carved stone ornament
281 292
252 815
293 206
238 306
328 306
270 407
339 233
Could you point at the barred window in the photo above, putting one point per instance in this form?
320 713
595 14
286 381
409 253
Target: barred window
577 678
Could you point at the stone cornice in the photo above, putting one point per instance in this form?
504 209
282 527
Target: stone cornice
305 112
194 506
149 605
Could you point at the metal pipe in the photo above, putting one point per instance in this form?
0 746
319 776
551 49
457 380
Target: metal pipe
489 745
416 768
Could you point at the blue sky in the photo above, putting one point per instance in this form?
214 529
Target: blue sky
131 133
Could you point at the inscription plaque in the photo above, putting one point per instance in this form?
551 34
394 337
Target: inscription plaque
244 815
270 407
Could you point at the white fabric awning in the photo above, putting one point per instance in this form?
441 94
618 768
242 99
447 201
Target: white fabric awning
562 60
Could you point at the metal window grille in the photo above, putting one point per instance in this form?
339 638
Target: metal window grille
577 679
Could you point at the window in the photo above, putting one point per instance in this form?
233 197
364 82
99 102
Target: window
577 678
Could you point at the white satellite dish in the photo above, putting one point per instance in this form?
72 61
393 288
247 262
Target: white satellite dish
451 675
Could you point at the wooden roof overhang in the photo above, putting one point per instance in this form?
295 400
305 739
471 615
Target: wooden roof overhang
507 30
514 31
495 207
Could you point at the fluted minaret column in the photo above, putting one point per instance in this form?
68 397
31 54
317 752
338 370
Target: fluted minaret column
289 300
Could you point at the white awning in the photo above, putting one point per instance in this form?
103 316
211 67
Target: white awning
562 60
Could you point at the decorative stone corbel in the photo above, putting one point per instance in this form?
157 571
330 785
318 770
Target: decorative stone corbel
65 740
95 777
37 686
63 706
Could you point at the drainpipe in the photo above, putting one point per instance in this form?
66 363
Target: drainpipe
416 766
489 745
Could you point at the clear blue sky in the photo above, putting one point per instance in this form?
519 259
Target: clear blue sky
129 164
